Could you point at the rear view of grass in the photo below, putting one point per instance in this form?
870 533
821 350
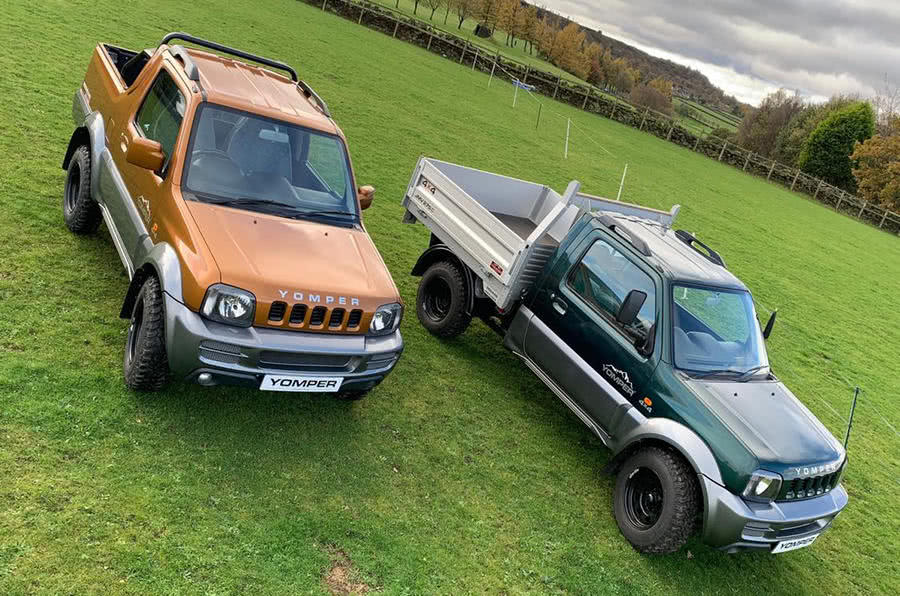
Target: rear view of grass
461 473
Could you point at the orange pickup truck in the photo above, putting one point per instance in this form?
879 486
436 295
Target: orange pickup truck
230 197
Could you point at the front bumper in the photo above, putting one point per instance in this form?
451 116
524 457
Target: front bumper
244 355
733 524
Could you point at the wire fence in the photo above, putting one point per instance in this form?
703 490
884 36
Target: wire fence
595 101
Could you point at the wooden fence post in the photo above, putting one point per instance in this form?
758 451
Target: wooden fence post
669 136
797 175
861 209
475 61
527 69
324 2
361 13
840 200
746 161
615 103
461 56
722 152
396 26
818 187
772 169
586 97
430 39
555 89
644 118
883 217
697 143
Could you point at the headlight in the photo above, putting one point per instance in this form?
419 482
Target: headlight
229 305
763 486
386 319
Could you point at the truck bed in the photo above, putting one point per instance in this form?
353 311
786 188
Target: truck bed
523 228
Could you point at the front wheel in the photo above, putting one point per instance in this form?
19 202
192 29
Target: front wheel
146 366
656 500
442 300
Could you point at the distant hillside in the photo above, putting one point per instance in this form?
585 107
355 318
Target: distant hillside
688 83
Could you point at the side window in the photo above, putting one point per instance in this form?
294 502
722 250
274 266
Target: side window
326 159
160 116
603 279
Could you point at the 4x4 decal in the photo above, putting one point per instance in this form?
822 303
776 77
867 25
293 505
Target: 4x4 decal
619 378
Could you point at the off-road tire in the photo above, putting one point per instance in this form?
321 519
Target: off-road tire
146 366
80 212
680 507
441 302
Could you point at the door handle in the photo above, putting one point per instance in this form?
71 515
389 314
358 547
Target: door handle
559 305
123 139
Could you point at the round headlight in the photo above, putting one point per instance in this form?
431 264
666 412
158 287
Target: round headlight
763 486
229 305
386 319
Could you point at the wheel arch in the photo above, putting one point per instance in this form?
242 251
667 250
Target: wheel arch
79 137
91 133
161 262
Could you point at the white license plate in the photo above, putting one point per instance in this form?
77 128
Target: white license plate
786 545
301 384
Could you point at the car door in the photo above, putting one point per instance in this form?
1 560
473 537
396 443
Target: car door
159 117
600 365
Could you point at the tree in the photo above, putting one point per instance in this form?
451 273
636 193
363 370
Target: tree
530 28
434 5
649 96
416 6
759 130
487 11
662 85
826 153
465 9
792 137
877 171
510 18
886 103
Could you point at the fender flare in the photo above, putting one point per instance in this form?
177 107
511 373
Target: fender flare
441 252
677 436
161 261
92 133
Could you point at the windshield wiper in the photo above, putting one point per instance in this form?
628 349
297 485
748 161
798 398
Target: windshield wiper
315 213
750 372
742 375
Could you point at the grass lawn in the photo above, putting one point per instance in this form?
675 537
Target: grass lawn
461 473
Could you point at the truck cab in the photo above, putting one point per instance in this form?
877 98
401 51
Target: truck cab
230 197
644 333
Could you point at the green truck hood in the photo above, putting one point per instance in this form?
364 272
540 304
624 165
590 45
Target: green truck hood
774 426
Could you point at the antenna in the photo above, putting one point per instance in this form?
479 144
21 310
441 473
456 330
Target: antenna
850 422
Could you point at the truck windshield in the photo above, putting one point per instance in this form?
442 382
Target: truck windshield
259 164
716 332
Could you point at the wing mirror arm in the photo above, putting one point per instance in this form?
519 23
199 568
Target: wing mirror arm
769 324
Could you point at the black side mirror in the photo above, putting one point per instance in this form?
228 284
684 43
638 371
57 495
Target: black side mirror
769 324
630 308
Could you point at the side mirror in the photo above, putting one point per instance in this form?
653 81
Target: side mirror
145 153
769 324
366 194
630 308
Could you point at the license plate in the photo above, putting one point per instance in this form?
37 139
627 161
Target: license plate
786 545
301 384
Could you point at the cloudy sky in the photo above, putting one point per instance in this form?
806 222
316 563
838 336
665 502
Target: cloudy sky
750 48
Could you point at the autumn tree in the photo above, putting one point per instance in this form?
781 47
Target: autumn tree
664 86
569 48
465 9
530 28
487 12
877 169
511 18
648 95
759 130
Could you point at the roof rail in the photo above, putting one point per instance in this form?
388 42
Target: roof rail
232 51
306 89
190 68
709 255
636 241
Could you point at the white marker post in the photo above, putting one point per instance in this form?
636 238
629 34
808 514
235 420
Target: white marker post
516 93
475 61
622 183
568 129
491 80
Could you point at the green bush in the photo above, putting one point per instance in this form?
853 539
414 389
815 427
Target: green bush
792 138
827 151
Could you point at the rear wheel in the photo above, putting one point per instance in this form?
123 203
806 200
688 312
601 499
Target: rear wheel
146 366
80 212
442 301
656 500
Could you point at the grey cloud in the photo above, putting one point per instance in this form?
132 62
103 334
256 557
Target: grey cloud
819 47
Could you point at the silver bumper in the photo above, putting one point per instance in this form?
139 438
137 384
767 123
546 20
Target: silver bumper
732 524
242 356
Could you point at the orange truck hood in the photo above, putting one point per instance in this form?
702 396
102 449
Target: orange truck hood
296 262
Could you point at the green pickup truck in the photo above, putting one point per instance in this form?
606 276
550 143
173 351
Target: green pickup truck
643 332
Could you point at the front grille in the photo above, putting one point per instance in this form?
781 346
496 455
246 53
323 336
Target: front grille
355 318
298 313
337 317
808 487
305 362
318 316
277 310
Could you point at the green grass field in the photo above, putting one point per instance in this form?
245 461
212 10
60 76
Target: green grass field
461 473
